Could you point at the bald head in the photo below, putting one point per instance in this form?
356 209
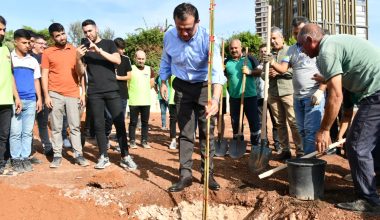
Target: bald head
312 30
309 39
140 58
235 48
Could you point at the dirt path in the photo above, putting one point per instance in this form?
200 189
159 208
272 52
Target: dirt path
73 192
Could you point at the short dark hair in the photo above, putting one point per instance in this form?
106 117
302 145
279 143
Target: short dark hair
299 20
120 43
88 22
2 20
32 34
39 36
262 45
21 33
55 27
185 9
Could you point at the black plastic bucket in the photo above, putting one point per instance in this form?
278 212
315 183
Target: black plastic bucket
306 178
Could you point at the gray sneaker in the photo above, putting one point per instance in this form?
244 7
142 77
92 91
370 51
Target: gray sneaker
128 163
132 145
56 162
103 162
5 169
81 161
17 166
35 160
27 165
145 145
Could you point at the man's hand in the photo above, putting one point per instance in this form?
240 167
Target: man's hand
81 51
245 70
82 100
268 58
38 106
48 102
322 140
317 97
18 105
212 108
272 73
318 77
164 91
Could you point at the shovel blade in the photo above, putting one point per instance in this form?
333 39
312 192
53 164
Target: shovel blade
221 147
259 158
237 148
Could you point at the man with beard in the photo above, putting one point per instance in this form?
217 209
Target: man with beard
60 83
100 58
7 92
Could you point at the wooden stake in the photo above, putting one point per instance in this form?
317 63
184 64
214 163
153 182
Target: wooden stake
207 150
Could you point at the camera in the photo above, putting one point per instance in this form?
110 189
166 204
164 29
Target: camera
85 42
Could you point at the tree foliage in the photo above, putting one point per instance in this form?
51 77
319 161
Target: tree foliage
252 41
75 32
107 33
150 40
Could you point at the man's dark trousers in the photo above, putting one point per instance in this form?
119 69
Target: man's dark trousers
5 125
362 140
191 99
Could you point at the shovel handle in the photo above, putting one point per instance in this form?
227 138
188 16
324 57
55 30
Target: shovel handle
274 170
242 93
263 135
221 99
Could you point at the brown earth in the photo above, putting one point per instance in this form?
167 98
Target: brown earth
73 192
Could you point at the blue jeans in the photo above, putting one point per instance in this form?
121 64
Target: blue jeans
308 118
163 107
21 134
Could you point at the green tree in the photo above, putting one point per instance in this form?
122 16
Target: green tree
108 33
75 32
252 41
150 40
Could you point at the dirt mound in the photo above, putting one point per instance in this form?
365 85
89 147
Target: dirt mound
190 211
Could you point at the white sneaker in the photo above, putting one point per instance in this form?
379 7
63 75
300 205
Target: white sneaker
66 143
173 144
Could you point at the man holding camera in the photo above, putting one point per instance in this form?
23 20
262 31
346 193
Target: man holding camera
100 58
60 84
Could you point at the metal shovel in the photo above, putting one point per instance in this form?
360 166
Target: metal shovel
259 157
237 146
221 145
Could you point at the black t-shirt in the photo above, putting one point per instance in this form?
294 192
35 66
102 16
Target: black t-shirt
101 72
37 56
122 69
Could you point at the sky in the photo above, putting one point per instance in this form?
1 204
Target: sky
124 16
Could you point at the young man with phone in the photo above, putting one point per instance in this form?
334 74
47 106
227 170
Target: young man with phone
103 91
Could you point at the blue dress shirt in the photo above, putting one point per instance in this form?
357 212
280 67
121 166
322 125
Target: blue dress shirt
188 60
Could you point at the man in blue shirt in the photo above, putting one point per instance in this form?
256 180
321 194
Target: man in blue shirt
185 55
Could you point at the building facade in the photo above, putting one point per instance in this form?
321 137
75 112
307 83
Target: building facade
336 16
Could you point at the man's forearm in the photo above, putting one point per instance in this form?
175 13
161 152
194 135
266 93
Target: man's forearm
331 111
79 68
113 58
217 91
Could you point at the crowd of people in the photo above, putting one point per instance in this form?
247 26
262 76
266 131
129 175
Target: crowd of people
306 82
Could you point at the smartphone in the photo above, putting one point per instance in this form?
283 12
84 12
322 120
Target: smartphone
85 42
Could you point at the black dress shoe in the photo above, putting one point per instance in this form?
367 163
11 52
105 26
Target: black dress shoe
181 184
212 184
